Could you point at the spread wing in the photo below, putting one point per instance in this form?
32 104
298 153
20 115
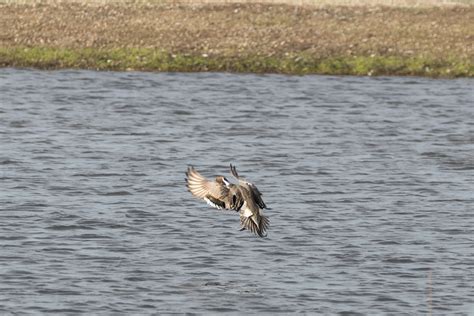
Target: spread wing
214 193
254 191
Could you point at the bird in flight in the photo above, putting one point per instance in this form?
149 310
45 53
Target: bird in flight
243 197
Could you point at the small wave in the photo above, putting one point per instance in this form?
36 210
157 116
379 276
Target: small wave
116 193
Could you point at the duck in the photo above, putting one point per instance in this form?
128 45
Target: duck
243 197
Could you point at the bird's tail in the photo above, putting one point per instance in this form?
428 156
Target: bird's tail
257 224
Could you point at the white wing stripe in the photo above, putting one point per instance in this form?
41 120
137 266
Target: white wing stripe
209 202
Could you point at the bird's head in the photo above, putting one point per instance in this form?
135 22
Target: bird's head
222 180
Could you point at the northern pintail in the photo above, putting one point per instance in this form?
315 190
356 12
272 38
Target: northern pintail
243 197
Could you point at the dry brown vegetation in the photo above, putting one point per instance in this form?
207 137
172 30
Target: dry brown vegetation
235 30
244 29
393 3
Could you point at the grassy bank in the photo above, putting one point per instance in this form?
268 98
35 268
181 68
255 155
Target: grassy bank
257 38
152 60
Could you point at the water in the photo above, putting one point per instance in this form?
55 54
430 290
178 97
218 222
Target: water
370 183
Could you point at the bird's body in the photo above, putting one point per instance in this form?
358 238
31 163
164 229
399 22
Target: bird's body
243 197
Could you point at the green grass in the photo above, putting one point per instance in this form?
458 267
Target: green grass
155 60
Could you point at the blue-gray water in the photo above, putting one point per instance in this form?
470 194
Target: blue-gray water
370 183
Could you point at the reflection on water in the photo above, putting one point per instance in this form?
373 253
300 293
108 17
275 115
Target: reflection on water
369 181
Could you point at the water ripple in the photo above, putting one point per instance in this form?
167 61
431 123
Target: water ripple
368 179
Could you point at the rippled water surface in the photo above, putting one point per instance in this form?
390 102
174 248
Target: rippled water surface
370 183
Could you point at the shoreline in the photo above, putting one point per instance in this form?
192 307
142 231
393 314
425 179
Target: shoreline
155 61
247 38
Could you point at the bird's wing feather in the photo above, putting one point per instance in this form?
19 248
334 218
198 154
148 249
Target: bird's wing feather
257 195
200 186
210 191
